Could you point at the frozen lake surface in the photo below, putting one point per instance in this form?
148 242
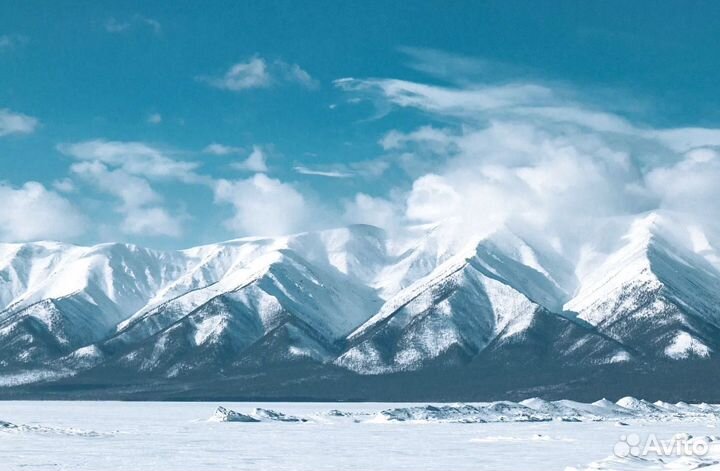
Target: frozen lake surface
178 436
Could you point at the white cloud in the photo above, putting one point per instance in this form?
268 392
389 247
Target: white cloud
295 73
243 76
690 185
152 221
139 203
16 123
31 212
11 41
263 206
536 175
154 118
115 26
257 72
256 162
136 158
535 156
365 209
427 136
453 101
371 168
124 170
432 198
6 42
220 149
322 173
64 185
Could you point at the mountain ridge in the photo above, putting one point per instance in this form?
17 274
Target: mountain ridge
353 302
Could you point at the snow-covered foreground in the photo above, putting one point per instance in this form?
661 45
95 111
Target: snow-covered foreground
532 435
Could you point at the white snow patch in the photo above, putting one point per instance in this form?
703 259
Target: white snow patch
685 345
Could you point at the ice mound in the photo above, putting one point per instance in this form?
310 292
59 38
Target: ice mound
606 405
258 414
228 415
557 409
639 405
464 413
338 413
269 414
13 428
622 413
540 410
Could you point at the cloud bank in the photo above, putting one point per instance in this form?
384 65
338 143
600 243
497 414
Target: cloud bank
536 156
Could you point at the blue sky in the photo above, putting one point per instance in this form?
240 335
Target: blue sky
171 125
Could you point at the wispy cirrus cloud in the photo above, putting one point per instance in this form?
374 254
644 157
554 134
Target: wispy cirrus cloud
154 118
257 72
117 26
9 42
303 170
371 168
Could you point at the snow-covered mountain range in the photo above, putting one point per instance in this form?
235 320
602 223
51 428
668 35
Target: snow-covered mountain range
355 301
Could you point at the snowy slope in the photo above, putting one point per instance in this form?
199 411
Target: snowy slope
310 285
68 297
652 293
493 288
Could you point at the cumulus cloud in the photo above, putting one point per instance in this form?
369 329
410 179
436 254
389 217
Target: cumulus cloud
257 72
243 75
263 206
16 123
256 162
125 170
139 203
32 212
366 209
64 185
690 185
151 221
